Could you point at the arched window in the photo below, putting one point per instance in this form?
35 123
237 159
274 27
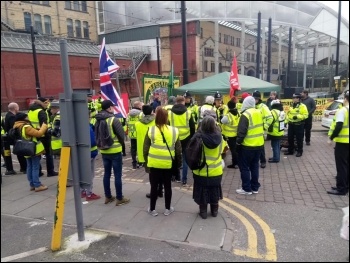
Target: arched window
47 23
86 29
70 32
27 20
78 28
38 24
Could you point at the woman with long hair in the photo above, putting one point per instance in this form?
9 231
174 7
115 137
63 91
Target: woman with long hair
161 146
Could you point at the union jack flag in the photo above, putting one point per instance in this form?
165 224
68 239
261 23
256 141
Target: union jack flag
108 92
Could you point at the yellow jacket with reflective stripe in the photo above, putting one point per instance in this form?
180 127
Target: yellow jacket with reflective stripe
56 142
230 129
255 134
194 112
116 146
131 121
202 109
276 124
213 162
33 117
343 136
141 131
168 107
300 111
266 114
181 122
159 155
39 145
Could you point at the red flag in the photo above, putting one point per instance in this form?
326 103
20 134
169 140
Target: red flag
234 83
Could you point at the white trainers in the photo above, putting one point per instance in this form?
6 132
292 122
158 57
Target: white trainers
242 192
255 192
153 212
169 211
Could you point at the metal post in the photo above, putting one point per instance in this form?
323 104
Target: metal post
184 42
137 82
69 135
268 77
92 79
158 56
37 83
289 55
257 74
338 41
313 70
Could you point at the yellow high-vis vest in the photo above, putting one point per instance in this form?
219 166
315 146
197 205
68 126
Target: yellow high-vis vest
255 134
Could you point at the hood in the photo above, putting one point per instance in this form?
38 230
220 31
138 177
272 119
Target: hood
212 140
249 102
179 109
134 112
147 119
37 104
102 115
20 124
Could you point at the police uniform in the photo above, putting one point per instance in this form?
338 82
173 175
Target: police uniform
191 106
222 110
296 117
339 133
276 130
56 140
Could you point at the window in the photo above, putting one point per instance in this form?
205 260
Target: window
252 47
101 20
86 29
36 2
45 2
232 41
212 67
219 37
47 23
274 71
68 5
265 60
76 5
78 28
27 21
208 52
225 39
248 57
201 32
83 6
37 23
252 58
70 28
205 66
238 42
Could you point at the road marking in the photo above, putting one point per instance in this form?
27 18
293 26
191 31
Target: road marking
24 254
271 253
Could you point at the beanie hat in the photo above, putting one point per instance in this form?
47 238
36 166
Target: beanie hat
147 109
245 94
20 116
231 104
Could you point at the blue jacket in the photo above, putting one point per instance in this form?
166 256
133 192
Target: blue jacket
93 141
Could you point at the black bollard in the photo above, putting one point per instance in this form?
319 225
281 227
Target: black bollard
7 156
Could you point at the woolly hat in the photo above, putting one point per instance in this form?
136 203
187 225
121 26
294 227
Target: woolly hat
147 109
20 116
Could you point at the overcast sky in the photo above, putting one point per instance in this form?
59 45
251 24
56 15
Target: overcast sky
335 6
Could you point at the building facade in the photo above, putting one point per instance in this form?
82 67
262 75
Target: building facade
67 19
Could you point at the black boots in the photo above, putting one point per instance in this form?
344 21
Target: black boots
203 211
214 209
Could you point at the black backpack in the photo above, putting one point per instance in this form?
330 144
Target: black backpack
195 156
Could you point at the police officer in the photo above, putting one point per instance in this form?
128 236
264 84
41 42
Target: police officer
267 121
191 105
339 132
296 117
221 108
56 140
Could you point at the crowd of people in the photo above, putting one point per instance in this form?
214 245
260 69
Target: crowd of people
159 135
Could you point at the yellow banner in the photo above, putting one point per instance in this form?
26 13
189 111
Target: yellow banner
151 83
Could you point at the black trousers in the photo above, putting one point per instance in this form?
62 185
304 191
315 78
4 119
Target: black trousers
232 145
157 177
307 128
341 154
295 131
133 150
48 153
262 157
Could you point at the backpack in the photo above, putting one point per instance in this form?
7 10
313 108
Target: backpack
14 134
103 137
195 156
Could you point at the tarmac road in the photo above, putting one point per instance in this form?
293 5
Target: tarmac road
291 219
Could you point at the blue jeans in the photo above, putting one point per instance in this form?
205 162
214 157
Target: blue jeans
33 167
113 161
249 167
276 149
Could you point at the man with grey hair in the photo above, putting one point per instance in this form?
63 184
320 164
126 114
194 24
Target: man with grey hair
208 105
9 121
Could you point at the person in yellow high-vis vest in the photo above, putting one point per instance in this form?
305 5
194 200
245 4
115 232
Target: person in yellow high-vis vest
132 118
229 124
161 147
56 140
181 118
38 115
339 133
207 181
250 143
107 123
28 132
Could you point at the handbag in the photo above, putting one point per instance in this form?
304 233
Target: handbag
174 168
24 147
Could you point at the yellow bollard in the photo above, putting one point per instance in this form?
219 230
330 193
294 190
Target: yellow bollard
60 199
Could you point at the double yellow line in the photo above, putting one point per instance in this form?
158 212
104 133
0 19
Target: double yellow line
252 249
